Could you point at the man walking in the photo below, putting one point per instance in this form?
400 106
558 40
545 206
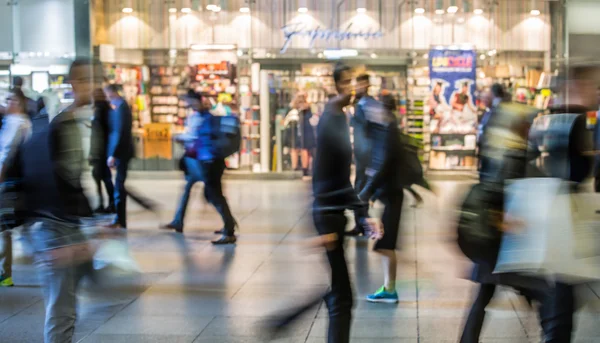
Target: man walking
119 151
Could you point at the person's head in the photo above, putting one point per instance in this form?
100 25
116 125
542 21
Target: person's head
362 85
16 103
497 91
99 95
389 102
299 101
342 76
197 102
18 82
81 78
465 88
112 92
437 88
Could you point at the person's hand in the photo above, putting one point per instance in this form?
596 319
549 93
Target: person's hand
110 162
327 241
375 228
512 224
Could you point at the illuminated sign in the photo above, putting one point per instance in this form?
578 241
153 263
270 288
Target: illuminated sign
300 29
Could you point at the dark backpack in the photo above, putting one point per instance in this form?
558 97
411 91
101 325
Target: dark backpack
476 236
410 168
227 137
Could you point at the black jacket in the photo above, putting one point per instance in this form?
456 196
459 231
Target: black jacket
332 188
99 138
120 138
51 164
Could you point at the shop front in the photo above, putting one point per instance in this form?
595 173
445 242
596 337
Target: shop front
254 58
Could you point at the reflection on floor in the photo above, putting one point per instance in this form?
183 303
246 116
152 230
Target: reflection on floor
190 291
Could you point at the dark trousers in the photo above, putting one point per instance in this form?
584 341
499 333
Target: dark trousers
213 192
555 312
339 298
101 173
121 192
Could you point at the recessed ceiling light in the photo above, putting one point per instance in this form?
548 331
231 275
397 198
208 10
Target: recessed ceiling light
439 11
535 12
302 9
452 9
172 10
478 11
245 9
127 10
419 10
186 10
361 10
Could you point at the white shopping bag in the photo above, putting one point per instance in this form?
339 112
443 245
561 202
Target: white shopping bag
114 254
560 238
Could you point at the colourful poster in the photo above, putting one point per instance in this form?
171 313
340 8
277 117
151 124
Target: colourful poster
451 102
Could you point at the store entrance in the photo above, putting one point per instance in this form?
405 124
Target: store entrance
297 97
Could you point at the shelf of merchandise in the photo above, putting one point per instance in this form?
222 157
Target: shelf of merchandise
165 93
417 118
458 155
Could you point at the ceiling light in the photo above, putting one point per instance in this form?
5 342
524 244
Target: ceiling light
535 12
127 10
373 55
478 11
452 9
302 9
419 10
482 57
361 10
127 6
211 7
361 6
440 11
186 10
172 10
186 7
245 9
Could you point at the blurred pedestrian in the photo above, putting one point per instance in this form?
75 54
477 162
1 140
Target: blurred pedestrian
16 129
362 145
101 173
51 164
119 150
493 98
383 181
301 139
32 105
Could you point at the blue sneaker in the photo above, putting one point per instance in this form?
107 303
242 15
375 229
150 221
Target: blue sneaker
383 296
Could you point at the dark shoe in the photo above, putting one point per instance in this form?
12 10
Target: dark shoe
100 210
225 240
357 231
220 232
172 226
110 209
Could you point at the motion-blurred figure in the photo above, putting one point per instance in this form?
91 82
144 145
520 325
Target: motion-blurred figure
119 150
98 152
16 129
362 145
493 98
51 163
32 106
383 182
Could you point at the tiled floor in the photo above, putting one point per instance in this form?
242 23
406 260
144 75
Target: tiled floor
190 291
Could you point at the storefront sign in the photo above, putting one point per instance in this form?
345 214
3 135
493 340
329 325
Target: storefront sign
451 102
299 29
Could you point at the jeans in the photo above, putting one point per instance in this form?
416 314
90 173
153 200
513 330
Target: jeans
101 173
5 254
59 280
193 174
339 299
121 192
213 192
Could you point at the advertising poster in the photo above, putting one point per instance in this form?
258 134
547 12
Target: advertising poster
451 102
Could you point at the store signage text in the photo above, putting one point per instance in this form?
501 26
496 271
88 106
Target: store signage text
300 29
450 63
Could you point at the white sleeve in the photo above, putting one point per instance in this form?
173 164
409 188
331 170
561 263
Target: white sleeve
11 136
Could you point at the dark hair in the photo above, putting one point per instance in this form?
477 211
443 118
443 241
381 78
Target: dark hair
466 84
16 91
113 88
362 77
338 70
191 94
94 65
18 82
389 102
498 90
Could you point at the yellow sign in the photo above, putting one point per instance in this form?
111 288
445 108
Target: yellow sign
157 141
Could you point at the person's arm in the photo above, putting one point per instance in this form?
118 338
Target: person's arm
65 149
11 134
115 127
381 127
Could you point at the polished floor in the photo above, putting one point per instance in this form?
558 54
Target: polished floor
191 291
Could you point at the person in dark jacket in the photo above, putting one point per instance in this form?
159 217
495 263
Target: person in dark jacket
98 155
32 105
119 150
206 166
382 182
362 145
51 163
